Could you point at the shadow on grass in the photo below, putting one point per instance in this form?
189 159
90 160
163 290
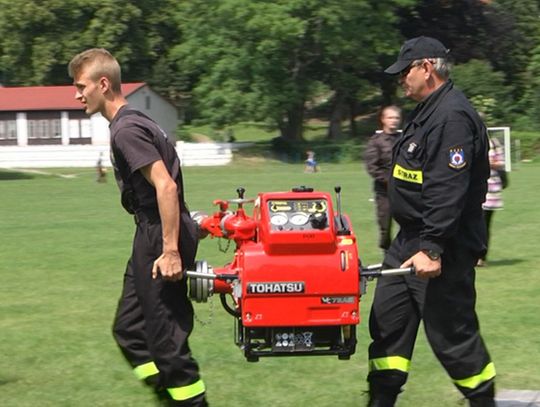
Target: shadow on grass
296 152
7 380
505 262
14 176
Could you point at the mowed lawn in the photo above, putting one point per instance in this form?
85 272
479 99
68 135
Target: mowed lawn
64 243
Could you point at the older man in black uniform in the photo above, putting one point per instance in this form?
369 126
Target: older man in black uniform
154 317
439 172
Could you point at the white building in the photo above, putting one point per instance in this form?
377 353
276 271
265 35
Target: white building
50 115
46 127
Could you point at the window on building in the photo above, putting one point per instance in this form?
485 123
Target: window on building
79 128
43 129
147 102
8 130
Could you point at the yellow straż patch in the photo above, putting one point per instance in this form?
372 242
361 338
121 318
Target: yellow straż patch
404 174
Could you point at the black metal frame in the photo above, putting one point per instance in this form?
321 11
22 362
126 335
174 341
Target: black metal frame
327 340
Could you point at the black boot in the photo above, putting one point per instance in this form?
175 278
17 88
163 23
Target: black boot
382 400
384 387
482 402
483 395
161 398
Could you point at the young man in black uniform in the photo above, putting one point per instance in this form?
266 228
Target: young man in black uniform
438 183
154 317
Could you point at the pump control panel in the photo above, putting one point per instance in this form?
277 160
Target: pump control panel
296 214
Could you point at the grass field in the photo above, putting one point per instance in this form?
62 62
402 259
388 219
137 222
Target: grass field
63 247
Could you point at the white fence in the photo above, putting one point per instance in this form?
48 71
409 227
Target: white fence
58 156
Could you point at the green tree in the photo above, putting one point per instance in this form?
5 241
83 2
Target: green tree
503 32
39 37
514 33
460 25
486 89
357 40
531 99
263 60
245 61
33 35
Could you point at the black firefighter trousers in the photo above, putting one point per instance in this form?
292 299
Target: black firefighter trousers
154 320
447 306
384 220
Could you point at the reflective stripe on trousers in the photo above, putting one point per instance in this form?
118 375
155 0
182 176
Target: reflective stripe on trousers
146 370
390 363
187 392
402 364
473 382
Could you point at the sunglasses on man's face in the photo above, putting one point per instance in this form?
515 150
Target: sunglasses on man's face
406 71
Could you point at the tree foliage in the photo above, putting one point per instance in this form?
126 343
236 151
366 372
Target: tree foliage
459 24
268 60
262 60
515 33
39 37
485 87
503 33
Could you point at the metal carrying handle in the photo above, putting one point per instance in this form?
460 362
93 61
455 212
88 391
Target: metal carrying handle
209 276
240 200
372 271
196 274
375 270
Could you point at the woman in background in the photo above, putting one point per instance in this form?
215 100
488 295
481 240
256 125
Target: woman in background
494 200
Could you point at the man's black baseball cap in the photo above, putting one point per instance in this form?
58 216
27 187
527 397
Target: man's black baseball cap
417 48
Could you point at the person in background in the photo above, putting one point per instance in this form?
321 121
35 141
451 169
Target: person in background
378 158
494 200
436 189
154 317
101 171
310 163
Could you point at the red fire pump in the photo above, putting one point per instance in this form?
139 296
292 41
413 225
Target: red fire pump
295 280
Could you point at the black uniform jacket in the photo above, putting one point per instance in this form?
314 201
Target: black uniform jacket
378 159
439 174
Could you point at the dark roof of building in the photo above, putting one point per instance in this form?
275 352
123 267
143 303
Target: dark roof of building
27 98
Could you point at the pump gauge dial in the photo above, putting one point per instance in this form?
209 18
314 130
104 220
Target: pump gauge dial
299 219
279 219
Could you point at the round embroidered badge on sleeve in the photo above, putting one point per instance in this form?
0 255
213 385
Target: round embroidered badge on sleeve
457 158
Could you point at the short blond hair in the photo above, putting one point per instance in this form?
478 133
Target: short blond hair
100 63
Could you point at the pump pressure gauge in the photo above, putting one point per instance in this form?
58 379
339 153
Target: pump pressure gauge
279 219
299 219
